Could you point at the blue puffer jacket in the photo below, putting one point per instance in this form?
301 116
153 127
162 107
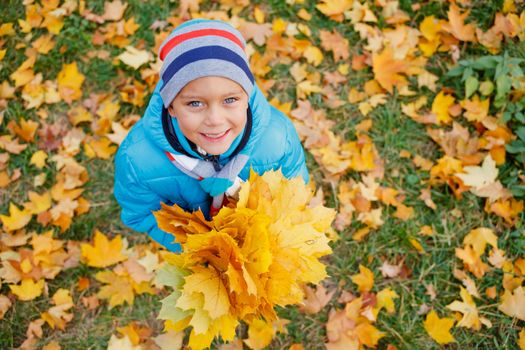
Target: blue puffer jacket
145 177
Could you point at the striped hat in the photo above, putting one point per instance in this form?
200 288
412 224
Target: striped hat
201 48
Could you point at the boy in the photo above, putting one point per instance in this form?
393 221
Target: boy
206 125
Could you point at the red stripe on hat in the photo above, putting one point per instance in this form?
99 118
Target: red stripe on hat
176 40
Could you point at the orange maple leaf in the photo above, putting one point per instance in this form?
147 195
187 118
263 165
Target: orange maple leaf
336 43
457 26
387 70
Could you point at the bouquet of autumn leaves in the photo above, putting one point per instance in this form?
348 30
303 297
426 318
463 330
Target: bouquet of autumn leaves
257 253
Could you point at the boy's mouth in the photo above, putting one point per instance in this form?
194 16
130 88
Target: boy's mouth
215 137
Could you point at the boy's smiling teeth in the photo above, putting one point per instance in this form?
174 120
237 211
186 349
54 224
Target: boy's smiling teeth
215 135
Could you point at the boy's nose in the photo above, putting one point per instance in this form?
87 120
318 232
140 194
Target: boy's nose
214 117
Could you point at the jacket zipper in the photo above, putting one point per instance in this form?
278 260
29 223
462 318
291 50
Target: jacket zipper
214 159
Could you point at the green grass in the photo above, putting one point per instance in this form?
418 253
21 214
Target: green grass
392 132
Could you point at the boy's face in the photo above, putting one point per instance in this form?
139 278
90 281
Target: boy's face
211 112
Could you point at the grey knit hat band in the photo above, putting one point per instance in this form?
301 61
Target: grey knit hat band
200 69
193 44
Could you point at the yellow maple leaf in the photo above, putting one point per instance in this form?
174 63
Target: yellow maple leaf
117 290
444 169
334 7
479 177
479 238
207 281
513 303
44 44
260 334
134 57
6 90
119 133
101 148
313 55
509 209
388 70
364 279
404 212
103 252
78 115
368 334
469 310
440 107
130 331
472 260
430 27
38 203
439 328
7 29
24 74
361 13
38 159
225 326
28 289
521 340
70 82
44 244
355 96
53 23
476 109
17 218
306 87
57 316
385 299
200 319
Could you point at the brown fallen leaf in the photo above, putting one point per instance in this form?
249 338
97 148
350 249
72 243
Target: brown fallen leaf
316 299
513 303
390 271
114 10
427 198
92 302
431 291
335 42
5 304
256 32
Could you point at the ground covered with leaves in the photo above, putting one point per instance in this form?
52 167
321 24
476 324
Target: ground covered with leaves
412 115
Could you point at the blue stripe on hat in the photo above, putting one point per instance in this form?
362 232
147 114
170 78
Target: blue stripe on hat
206 52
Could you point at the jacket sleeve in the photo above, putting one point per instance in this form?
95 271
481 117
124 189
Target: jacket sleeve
137 202
293 163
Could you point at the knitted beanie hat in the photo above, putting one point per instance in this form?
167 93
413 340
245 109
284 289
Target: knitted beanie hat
201 48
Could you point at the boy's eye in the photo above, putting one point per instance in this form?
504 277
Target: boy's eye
194 103
230 100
